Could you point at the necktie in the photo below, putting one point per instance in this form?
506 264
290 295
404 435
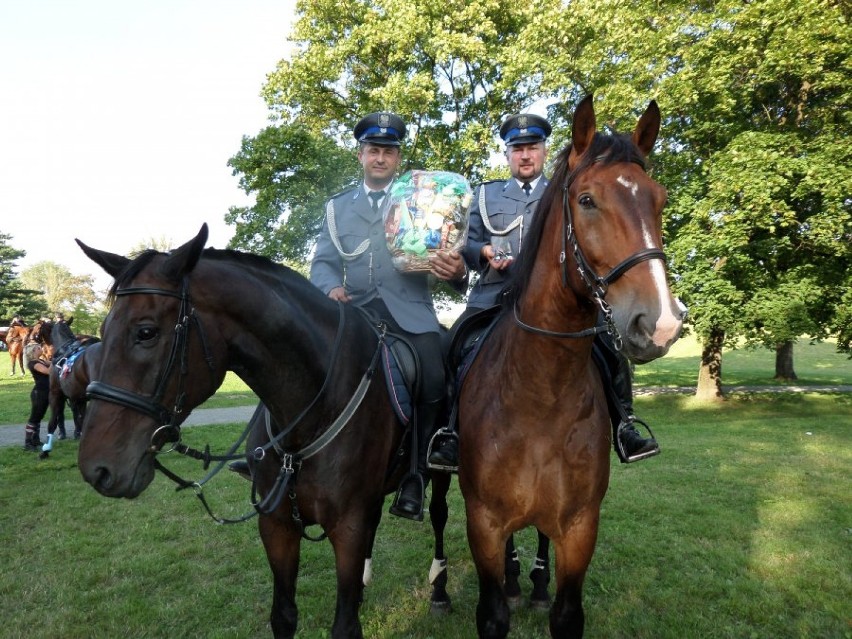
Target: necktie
375 196
527 187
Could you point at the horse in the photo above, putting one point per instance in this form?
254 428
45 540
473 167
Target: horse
74 362
15 340
329 455
535 433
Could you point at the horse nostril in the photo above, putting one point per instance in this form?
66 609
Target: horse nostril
101 479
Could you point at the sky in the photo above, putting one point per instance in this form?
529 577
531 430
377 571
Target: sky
117 120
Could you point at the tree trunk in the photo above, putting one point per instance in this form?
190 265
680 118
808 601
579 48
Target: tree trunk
710 371
784 361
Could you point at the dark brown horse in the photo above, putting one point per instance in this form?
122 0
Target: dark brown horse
74 362
177 324
16 339
533 420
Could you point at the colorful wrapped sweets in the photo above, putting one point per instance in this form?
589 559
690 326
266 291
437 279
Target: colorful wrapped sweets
426 212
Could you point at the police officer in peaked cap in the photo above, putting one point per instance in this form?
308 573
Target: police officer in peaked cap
352 264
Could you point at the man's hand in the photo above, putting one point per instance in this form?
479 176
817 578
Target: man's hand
447 265
498 261
338 294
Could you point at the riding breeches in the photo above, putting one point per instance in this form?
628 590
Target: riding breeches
39 399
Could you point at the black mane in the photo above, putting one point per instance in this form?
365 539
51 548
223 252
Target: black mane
605 149
246 260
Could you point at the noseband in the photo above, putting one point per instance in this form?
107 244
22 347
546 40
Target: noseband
596 284
168 430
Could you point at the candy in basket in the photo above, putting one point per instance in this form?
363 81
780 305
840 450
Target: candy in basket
426 212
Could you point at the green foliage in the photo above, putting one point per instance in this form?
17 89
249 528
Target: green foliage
755 149
15 297
61 290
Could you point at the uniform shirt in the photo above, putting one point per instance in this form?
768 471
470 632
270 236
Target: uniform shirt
371 273
505 201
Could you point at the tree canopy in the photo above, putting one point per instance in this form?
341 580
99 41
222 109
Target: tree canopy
755 148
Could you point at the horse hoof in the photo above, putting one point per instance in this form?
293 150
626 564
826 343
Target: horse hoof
441 608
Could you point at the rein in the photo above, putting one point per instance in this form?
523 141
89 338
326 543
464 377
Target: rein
597 285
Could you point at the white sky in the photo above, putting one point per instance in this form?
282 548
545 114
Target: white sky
117 119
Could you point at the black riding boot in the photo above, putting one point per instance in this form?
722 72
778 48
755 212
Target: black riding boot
409 498
29 430
36 439
630 445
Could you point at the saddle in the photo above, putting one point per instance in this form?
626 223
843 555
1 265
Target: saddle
469 337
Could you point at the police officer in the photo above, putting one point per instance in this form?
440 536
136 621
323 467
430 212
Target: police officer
352 264
499 215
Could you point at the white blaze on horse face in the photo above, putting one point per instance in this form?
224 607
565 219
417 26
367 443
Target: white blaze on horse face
628 184
668 324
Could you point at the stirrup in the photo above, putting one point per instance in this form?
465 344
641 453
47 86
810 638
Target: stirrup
399 512
622 454
441 437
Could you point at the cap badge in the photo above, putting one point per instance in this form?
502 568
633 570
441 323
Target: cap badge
384 120
522 122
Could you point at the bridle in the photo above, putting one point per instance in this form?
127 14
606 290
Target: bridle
168 420
597 285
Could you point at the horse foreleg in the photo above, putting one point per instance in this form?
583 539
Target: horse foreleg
540 574
438 515
350 539
281 542
573 555
488 546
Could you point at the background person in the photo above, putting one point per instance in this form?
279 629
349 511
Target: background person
39 367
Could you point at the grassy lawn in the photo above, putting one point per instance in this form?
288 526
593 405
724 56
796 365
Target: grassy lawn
815 364
740 529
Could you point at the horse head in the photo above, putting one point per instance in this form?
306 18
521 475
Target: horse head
141 398
615 226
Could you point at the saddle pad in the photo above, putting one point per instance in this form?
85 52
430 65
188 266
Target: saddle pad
400 366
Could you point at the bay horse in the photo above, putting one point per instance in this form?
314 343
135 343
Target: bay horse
177 323
15 340
535 433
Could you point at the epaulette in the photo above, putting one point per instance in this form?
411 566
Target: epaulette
340 194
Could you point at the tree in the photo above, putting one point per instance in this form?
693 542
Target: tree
14 296
755 149
437 64
61 290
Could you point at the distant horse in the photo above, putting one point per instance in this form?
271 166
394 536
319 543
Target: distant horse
178 322
535 434
16 340
74 363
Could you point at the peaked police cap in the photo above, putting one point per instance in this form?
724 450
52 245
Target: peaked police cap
524 128
382 128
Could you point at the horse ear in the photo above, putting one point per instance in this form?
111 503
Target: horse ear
647 129
184 258
583 127
110 262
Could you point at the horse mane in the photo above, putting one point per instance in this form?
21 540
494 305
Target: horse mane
246 260
604 149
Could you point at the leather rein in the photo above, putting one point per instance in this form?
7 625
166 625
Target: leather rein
596 284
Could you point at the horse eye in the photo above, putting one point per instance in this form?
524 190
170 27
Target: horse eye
586 201
146 333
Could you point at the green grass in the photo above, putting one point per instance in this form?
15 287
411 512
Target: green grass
815 364
15 397
742 528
